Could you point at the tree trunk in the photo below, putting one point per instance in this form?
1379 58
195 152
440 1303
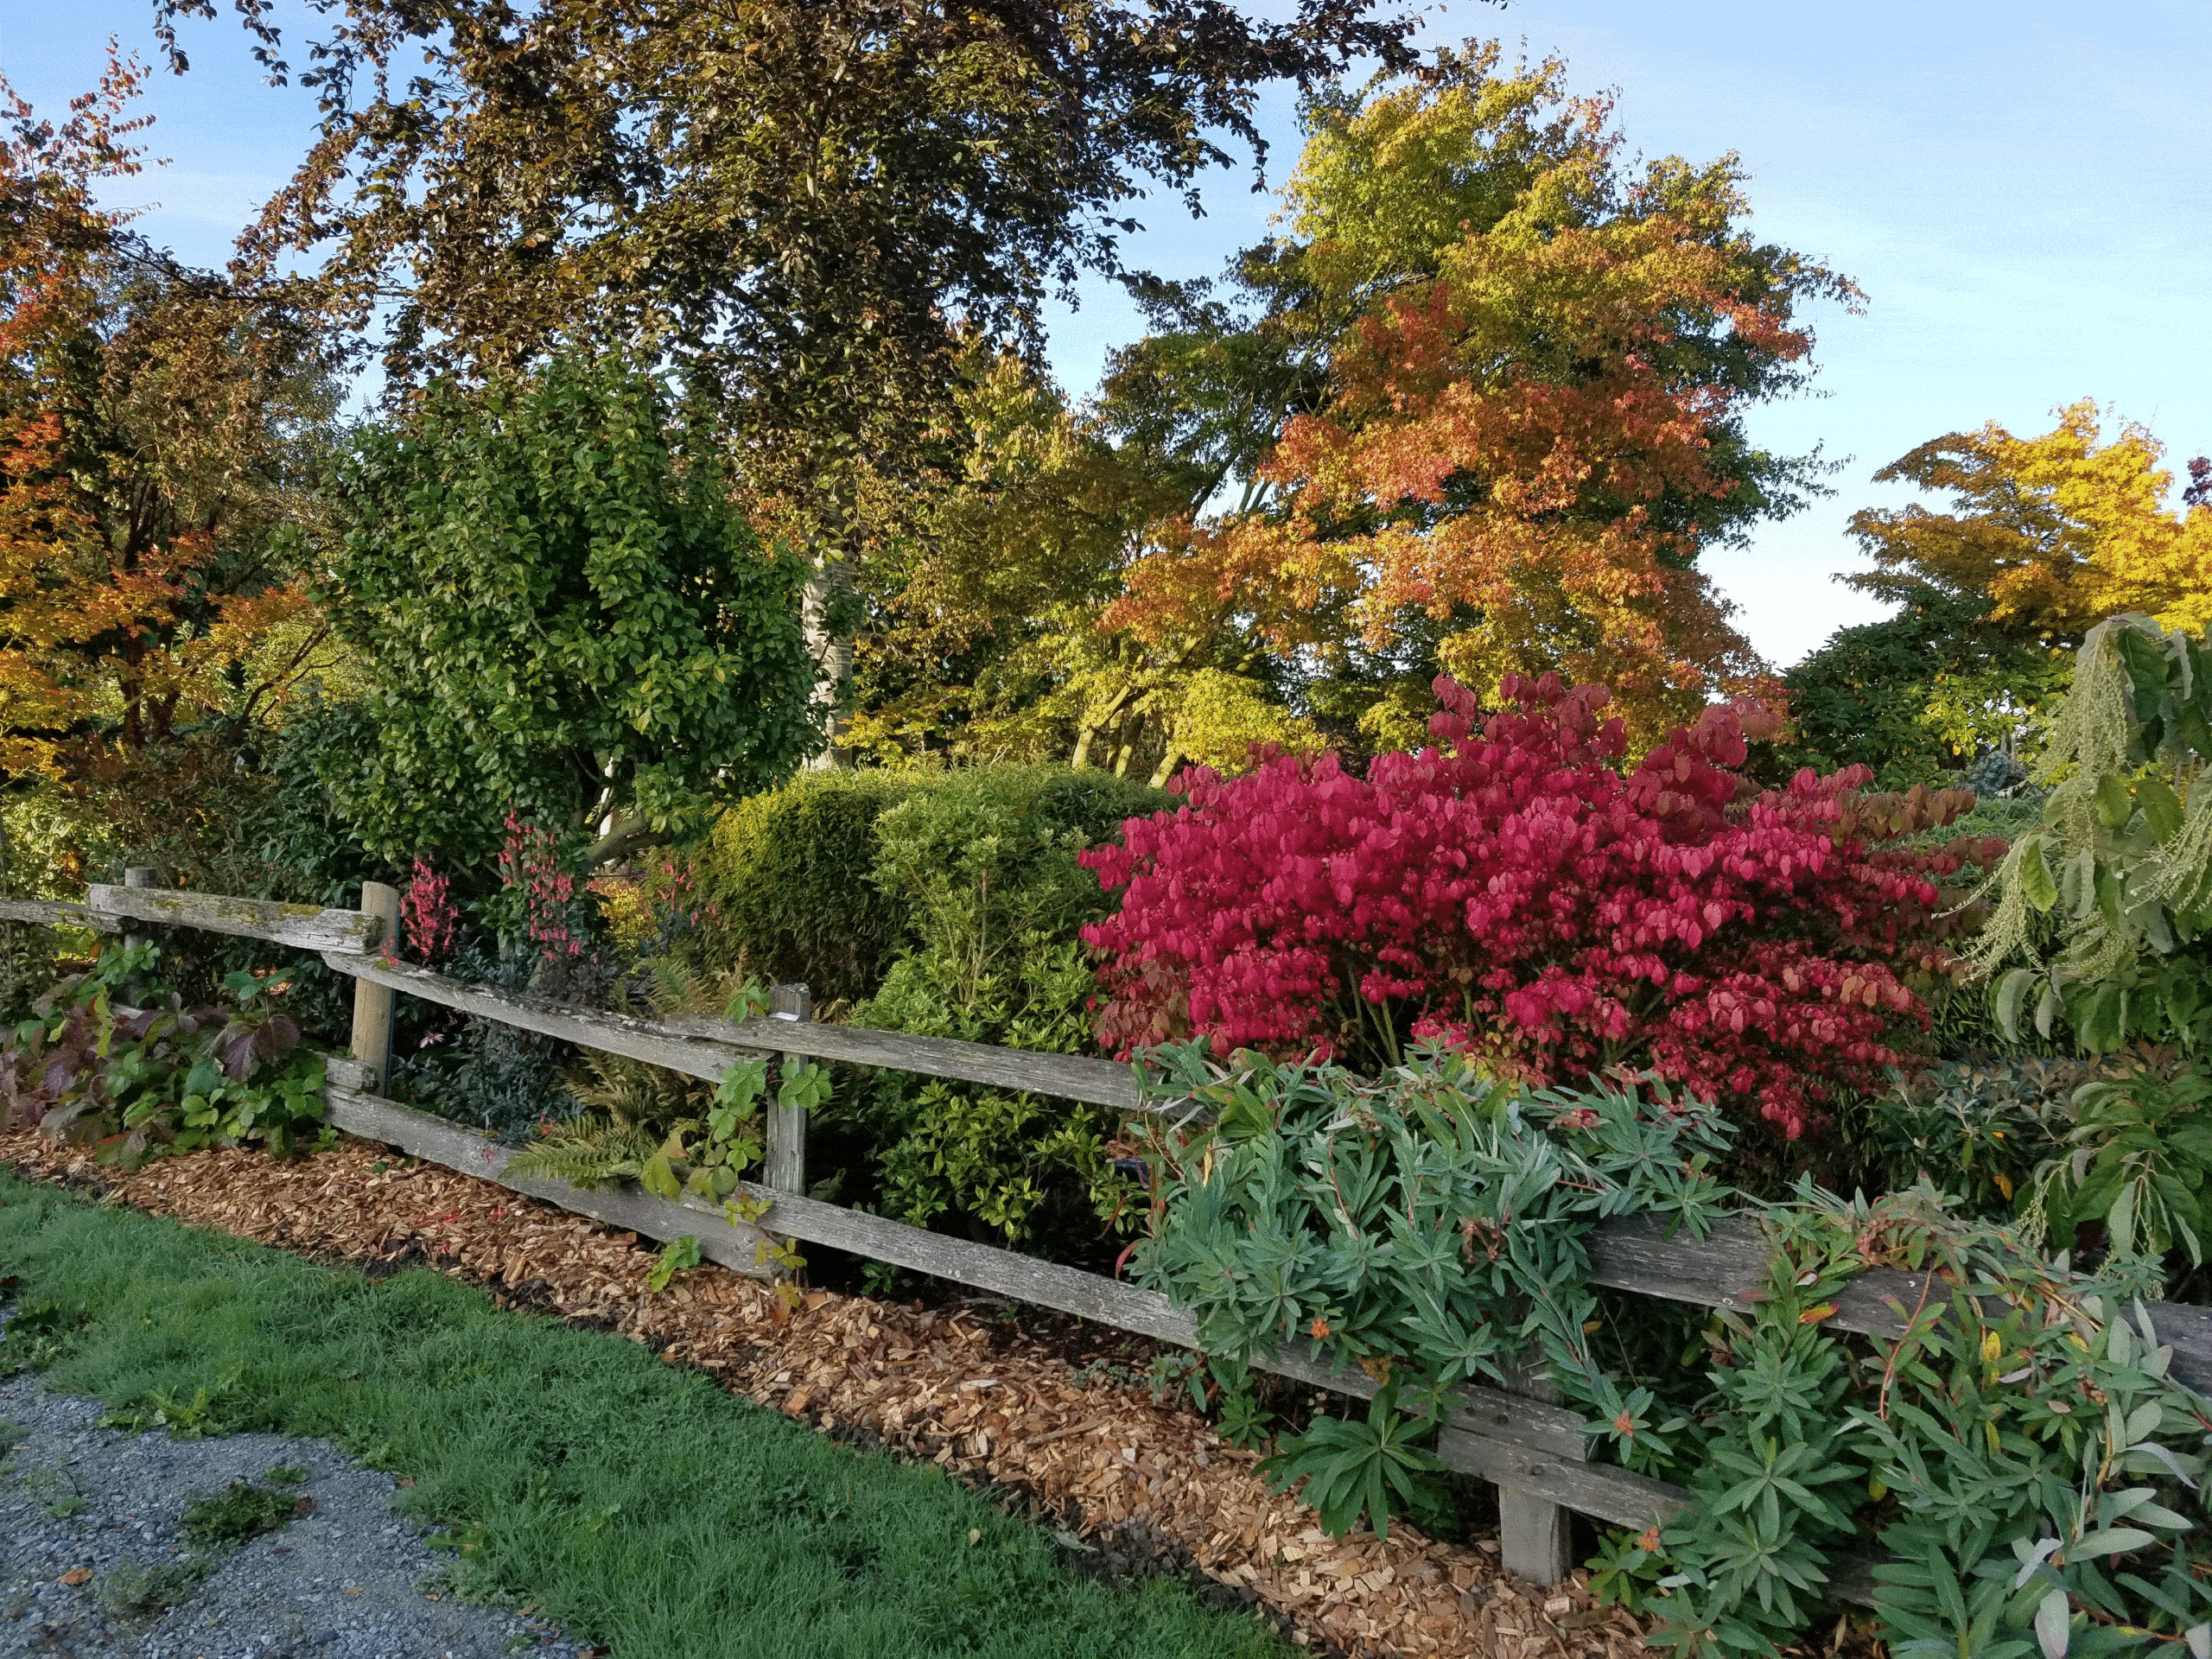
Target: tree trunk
832 654
1094 723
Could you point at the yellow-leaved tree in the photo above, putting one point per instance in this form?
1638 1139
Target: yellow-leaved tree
2055 533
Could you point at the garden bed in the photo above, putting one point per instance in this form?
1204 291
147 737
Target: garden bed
992 1405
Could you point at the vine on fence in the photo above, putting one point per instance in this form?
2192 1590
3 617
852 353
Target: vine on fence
2029 1468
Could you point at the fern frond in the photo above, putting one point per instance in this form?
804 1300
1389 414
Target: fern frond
586 1154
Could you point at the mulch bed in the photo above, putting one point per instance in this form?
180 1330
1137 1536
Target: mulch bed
994 1403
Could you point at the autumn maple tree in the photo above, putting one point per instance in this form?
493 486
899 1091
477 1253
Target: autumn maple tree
1532 370
2048 535
154 424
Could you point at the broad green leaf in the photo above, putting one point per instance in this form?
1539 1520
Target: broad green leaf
2113 1541
2162 808
658 1178
2010 998
2116 804
2036 884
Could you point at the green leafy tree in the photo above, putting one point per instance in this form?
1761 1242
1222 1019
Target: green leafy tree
814 203
1920 693
564 612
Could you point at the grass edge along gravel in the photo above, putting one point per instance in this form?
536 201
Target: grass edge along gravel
632 1502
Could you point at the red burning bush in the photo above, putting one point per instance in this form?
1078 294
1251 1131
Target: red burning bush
1518 894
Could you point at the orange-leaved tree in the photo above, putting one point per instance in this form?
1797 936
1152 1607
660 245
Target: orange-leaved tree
2052 533
158 427
1530 424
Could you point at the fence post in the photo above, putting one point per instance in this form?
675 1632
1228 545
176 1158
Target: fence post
372 1003
784 1166
1533 1541
140 875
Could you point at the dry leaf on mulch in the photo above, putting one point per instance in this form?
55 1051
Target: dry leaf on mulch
937 1384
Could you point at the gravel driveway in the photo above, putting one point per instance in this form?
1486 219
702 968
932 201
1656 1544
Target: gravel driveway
92 1560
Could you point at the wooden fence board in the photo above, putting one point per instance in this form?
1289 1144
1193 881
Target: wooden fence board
1553 1430
307 926
611 1033
704 1047
1067 1077
1619 1496
49 913
1626 1253
434 1139
1633 1253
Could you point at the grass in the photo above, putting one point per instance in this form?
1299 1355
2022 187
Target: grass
635 1503
239 1514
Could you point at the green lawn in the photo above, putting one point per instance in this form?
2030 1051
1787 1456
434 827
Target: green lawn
635 1503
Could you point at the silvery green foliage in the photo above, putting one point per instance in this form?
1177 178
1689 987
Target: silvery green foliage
2019 1458
1430 1226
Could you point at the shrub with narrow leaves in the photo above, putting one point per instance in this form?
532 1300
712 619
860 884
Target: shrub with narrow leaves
1514 891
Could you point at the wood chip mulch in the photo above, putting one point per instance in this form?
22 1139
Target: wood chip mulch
934 1384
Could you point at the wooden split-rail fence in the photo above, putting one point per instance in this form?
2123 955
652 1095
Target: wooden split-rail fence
1532 1448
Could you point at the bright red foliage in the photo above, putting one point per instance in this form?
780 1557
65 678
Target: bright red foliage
531 865
1517 894
427 915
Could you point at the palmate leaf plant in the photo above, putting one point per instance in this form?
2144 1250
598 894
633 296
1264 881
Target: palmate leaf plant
2019 1457
1350 1468
2101 914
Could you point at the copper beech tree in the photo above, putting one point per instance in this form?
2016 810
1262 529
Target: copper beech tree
1520 418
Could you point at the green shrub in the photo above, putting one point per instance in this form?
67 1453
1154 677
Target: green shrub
984 864
2108 1153
137 1079
1976 1128
1432 1225
943 903
782 889
2136 1163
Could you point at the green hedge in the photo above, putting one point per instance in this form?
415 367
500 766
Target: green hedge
784 882
790 880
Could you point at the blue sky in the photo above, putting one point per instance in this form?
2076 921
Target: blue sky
2023 189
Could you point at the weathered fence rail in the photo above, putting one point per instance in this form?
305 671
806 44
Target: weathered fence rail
1534 1450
